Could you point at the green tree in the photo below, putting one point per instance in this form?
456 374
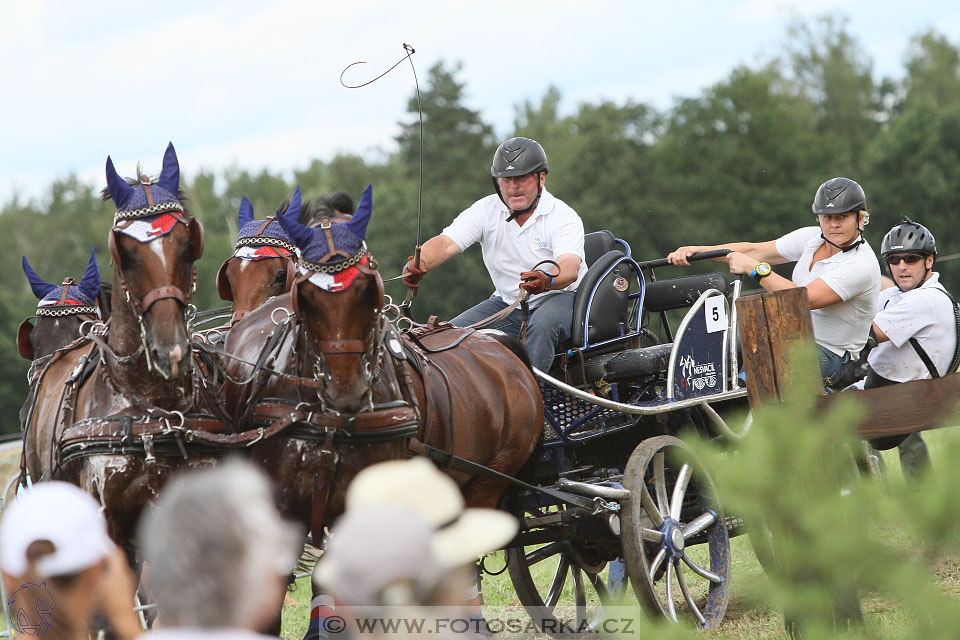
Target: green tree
457 147
831 70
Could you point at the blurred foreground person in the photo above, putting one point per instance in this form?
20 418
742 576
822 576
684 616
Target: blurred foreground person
60 566
360 567
218 554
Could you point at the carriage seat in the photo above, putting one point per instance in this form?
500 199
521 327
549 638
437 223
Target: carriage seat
621 365
677 293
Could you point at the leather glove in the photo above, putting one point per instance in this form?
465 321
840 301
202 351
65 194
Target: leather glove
413 274
535 282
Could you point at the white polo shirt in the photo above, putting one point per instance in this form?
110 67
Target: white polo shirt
921 313
553 230
853 275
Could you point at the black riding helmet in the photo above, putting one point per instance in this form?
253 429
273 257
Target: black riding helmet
908 236
839 195
518 157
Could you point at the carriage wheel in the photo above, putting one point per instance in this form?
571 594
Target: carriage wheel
674 536
562 584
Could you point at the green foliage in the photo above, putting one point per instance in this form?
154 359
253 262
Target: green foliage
740 161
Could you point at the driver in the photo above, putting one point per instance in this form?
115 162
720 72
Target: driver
835 264
916 328
520 226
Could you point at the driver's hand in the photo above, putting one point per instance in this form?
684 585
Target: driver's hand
534 282
679 257
741 263
412 274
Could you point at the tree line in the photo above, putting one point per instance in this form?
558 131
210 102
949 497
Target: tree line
739 161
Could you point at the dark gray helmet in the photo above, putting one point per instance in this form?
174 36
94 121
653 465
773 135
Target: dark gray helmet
908 237
839 195
518 157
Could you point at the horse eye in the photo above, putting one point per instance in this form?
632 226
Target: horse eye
281 276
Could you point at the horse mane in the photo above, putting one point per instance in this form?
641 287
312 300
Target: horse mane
326 206
133 182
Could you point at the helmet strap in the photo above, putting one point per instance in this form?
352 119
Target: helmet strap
520 212
849 247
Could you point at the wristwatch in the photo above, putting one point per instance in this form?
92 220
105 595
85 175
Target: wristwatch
761 271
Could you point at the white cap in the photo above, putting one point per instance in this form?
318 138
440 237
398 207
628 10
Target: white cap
63 514
463 535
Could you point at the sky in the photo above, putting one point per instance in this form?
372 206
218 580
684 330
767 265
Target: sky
254 85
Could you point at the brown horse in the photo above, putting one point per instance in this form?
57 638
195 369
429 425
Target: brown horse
110 415
327 353
60 311
263 263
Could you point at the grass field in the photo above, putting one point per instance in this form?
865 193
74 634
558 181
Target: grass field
748 614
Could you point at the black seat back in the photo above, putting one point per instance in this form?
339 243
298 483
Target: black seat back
676 293
609 309
597 243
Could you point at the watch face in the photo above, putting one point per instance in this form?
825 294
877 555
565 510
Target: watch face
763 269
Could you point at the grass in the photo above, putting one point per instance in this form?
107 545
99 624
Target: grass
748 614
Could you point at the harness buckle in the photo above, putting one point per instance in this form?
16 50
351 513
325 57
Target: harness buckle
148 448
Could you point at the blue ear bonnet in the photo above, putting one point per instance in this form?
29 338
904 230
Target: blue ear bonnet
139 198
74 295
343 240
273 230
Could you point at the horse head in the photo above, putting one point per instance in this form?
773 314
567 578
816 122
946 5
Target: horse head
262 265
154 243
338 296
60 310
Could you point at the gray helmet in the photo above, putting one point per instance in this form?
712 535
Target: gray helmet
839 195
518 157
908 237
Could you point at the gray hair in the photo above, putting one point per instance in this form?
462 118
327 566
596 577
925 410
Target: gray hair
215 543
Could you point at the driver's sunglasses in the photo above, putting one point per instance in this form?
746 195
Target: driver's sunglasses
910 258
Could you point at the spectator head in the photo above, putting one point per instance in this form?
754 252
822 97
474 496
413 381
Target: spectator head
53 530
56 556
381 556
218 551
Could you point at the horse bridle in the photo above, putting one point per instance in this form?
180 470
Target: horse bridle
256 240
142 306
59 310
370 347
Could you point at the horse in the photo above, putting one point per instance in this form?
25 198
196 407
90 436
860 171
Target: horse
262 265
111 414
325 358
61 309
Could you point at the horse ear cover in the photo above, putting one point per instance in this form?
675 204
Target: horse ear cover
119 190
170 174
299 233
38 285
361 217
245 213
90 284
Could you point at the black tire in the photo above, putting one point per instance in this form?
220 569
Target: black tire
560 583
664 476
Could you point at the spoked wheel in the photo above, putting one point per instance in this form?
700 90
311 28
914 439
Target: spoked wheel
675 539
561 583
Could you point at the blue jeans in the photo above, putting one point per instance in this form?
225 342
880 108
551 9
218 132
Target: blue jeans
549 324
831 365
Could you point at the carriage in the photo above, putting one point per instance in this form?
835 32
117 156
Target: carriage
610 493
